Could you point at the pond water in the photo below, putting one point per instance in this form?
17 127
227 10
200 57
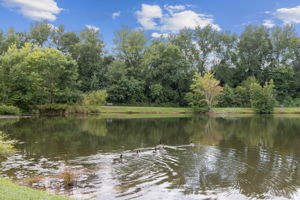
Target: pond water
204 157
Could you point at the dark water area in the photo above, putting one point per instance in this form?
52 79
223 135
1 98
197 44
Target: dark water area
204 157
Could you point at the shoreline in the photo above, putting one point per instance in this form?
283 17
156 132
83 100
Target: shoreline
11 190
133 110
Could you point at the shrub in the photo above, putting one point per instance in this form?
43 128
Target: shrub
242 97
262 98
227 97
9 110
197 102
296 102
97 97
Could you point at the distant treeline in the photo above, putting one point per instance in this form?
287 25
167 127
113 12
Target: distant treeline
50 65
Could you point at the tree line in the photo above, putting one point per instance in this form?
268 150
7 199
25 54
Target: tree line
48 64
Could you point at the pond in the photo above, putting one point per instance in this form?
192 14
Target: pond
203 157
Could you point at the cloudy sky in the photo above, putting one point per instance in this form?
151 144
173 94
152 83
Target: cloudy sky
155 17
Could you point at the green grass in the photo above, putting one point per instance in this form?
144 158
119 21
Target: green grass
145 110
79 109
12 191
295 110
287 110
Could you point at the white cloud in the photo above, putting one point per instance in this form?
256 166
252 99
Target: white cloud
186 19
92 28
269 23
53 28
116 14
171 9
288 15
36 10
177 17
159 35
148 14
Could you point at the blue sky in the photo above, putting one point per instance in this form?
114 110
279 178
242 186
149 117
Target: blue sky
156 17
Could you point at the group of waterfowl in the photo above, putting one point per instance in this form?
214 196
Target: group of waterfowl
157 149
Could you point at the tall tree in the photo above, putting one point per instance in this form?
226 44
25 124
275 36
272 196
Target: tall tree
31 76
130 46
167 68
226 56
254 53
285 43
89 55
206 40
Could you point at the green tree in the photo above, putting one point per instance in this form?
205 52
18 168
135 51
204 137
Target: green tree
130 46
18 82
207 86
285 84
31 76
89 56
58 73
262 98
254 53
67 42
227 98
206 40
285 44
11 37
165 65
226 55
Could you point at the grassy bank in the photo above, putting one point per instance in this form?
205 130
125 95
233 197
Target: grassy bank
73 109
12 191
287 110
62 109
145 110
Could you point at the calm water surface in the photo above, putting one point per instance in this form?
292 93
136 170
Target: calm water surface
247 157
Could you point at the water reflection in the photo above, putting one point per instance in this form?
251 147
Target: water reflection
233 157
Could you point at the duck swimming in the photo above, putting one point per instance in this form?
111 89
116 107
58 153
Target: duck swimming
192 144
160 146
118 160
155 150
138 153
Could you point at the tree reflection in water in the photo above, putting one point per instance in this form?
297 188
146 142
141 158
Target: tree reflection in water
250 156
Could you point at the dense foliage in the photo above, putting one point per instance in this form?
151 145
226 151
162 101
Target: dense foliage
207 87
96 98
50 65
9 110
262 98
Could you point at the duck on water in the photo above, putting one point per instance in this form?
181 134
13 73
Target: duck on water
118 160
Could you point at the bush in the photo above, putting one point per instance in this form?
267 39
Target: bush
97 97
242 97
9 110
227 97
296 102
262 98
197 102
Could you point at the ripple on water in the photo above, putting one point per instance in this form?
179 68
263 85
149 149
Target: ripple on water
179 172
